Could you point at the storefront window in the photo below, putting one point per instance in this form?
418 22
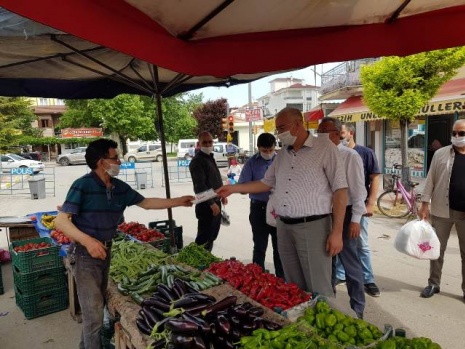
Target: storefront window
415 143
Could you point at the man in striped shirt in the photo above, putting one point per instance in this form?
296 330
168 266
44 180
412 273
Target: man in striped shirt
309 181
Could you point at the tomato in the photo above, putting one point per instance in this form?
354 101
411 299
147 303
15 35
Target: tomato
33 218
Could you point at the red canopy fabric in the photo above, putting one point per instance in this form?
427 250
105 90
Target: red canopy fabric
314 115
208 37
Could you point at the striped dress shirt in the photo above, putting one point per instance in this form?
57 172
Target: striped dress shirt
304 181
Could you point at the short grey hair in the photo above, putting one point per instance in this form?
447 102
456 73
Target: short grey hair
349 126
336 122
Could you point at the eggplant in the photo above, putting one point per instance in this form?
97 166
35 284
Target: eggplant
143 327
177 291
235 322
235 335
181 326
153 315
202 297
213 330
247 327
165 292
202 325
223 304
238 311
181 341
185 302
223 324
197 309
159 344
160 325
271 326
181 286
255 312
247 305
198 343
258 321
156 302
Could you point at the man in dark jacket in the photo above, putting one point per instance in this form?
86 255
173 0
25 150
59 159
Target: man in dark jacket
205 175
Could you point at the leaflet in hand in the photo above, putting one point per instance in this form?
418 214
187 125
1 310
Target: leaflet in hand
204 196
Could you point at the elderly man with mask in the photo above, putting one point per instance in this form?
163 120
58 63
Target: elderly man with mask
445 188
205 175
354 212
309 179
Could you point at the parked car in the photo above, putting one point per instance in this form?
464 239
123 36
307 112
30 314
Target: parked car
184 145
77 156
33 155
222 151
392 142
10 161
416 141
146 152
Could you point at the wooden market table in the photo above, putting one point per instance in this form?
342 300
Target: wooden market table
128 336
19 231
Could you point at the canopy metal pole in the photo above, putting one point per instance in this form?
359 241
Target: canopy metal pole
159 121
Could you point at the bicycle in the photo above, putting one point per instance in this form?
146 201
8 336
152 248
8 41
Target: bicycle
398 202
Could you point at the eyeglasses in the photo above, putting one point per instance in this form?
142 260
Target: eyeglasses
459 133
114 158
282 128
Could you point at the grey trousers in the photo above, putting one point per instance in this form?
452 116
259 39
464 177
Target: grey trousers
302 248
443 227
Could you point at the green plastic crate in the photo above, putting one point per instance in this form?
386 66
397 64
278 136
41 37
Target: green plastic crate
30 261
39 281
42 303
164 227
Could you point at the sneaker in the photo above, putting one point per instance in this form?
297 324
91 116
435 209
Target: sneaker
429 291
372 289
340 282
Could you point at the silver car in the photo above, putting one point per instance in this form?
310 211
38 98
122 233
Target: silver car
12 161
77 156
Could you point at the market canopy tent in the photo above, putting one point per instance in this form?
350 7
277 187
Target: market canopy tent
223 38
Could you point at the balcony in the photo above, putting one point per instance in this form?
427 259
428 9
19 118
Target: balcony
343 80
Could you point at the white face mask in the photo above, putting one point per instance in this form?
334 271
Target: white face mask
207 150
267 156
286 138
113 171
458 142
344 142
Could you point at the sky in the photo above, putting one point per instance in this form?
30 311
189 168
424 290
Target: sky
239 95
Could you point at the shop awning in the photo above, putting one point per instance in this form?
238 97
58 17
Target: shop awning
314 114
449 99
353 109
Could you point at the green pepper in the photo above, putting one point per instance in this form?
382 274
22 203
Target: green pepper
338 327
330 320
339 315
361 324
350 330
310 318
322 307
343 337
309 311
332 338
320 321
277 344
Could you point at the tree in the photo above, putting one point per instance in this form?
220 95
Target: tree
398 87
16 118
132 116
209 116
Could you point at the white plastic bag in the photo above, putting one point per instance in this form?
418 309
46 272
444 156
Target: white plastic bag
418 239
270 213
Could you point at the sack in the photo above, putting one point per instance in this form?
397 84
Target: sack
418 239
4 256
270 213
224 218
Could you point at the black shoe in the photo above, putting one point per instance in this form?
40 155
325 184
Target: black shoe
372 289
429 291
359 316
340 282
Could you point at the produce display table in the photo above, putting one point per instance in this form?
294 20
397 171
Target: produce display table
19 231
123 306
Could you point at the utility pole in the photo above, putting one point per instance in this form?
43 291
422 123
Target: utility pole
251 145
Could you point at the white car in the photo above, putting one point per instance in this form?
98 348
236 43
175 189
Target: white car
146 152
77 156
12 161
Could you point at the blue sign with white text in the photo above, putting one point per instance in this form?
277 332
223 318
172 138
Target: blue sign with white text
184 163
128 165
22 171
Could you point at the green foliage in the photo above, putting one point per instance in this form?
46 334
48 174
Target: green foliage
398 87
209 116
16 119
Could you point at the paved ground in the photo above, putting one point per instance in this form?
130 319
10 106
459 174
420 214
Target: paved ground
400 277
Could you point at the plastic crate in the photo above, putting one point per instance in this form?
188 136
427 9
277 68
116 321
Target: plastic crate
42 303
164 227
39 281
30 261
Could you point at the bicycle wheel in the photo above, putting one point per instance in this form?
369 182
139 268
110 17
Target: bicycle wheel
392 204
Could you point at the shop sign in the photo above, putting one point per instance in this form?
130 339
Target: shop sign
443 107
253 115
81 132
360 116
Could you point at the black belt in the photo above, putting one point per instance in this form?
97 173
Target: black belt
257 202
302 219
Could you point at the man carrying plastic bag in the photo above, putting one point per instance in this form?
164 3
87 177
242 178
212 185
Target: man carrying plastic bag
418 239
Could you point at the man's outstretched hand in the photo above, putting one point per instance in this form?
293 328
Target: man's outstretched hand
224 191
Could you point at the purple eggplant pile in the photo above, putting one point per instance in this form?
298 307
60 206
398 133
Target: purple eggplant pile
181 317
